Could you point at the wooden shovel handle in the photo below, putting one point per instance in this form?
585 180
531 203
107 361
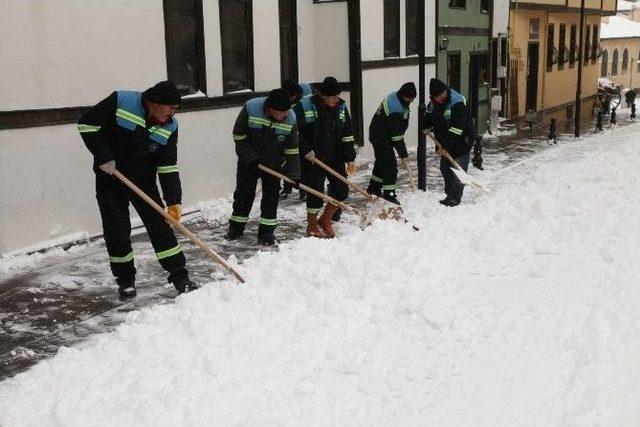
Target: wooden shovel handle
309 190
217 258
315 160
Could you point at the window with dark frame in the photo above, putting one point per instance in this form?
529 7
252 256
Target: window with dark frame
550 46
614 63
605 64
453 70
587 45
638 61
391 28
625 61
572 46
411 19
594 44
184 38
562 34
236 33
459 4
484 6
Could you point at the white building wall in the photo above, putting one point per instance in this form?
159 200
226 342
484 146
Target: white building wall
74 52
500 17
323 41
46 182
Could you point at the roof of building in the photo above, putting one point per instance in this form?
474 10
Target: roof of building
626 5
620 26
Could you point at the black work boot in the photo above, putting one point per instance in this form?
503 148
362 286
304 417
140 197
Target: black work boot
375 188
126 288
183 284
450 202
235 231
390 196
267 240
336 216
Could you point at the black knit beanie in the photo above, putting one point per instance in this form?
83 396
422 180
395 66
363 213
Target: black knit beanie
436 87
292 88
408 90
278 99
330 87
165 93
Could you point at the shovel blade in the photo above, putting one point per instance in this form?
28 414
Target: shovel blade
467 179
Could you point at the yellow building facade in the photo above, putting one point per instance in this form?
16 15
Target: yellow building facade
544 38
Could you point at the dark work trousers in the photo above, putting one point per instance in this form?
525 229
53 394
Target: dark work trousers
314 176
113 201
246 180
452 185
385 169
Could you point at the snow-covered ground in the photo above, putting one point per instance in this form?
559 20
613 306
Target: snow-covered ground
521 308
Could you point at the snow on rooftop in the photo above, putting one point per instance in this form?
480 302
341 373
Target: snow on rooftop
620 26
624 5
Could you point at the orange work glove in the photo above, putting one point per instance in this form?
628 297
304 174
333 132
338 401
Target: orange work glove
351 168
175 211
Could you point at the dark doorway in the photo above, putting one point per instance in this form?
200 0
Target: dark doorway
288 40
453 70
533 60
478 76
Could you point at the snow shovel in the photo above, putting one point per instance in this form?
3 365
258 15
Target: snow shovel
394 211
310 190
463 176
217 258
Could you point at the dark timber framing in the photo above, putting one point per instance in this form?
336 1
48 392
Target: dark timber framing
396 62
355 69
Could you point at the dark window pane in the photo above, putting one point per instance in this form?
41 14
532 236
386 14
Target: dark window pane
391 28
572 46
453 71
550 47
614 63
625 61
605 64
484 5
412 26
185 45
594 44
587 44
562 46
237 44
458 3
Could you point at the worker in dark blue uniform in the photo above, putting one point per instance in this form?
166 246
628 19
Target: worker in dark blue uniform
448 116
137 133
265 133
386 133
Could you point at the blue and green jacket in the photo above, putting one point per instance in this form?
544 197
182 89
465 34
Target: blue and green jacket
389 124
258 138
117 129
452 124
325 131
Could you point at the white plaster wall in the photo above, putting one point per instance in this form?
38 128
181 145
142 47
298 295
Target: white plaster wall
323 41
72 52
500 17
372 29
377 84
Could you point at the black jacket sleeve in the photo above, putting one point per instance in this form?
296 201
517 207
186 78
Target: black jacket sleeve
454 138
291 166
397 129
347 141
244 150
167 164
92 126
305 133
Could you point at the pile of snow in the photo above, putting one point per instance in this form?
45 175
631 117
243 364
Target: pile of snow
521 308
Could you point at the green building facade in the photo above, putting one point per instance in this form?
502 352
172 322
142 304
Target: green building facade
463 53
